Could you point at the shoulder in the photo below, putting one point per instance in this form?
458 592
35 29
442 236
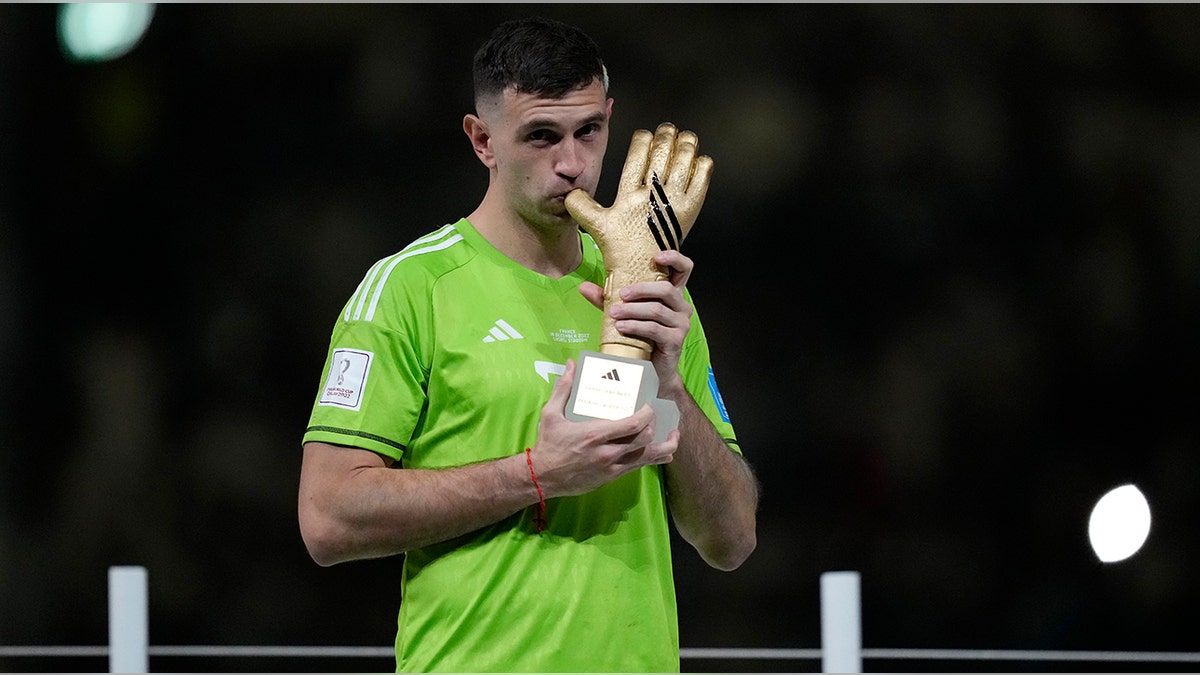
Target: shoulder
435 253
409 272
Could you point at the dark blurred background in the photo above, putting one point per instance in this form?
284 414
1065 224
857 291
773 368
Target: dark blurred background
949 266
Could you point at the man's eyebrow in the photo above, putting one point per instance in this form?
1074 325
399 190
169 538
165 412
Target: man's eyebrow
594 118
537 123
556 125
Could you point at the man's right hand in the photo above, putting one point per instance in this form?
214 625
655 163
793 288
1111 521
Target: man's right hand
572 458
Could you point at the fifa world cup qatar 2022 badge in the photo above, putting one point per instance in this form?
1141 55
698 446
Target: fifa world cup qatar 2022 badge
661 190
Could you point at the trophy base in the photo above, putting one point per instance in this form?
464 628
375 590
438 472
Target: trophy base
613 387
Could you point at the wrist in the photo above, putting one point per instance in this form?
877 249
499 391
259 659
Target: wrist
539 518
673 388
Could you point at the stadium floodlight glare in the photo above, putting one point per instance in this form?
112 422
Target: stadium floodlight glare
1119 524
102 31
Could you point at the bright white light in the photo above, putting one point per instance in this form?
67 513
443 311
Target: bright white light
102 31
1119 524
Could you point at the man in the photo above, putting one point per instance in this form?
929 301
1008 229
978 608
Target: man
531 542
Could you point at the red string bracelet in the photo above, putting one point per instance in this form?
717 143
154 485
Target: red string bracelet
540 519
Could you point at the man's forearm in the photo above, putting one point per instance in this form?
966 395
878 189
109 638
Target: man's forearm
712 491
374 511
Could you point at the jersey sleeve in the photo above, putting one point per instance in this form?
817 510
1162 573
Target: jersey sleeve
695 366
374 382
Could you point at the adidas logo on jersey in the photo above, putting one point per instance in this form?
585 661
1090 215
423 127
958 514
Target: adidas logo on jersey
502 331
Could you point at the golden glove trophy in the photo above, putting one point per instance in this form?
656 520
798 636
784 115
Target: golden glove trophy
662 187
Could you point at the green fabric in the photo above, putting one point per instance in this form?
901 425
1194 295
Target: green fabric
446 354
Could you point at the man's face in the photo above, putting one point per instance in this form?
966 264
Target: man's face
544 148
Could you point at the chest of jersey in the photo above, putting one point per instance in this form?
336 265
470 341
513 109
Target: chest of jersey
502 341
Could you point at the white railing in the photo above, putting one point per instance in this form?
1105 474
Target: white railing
841 648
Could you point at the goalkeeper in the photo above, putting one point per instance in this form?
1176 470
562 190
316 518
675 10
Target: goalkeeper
530 542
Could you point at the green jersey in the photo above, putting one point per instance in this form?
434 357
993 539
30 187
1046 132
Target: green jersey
444 356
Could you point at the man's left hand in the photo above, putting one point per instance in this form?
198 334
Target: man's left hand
655 311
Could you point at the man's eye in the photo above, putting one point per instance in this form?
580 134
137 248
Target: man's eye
542 136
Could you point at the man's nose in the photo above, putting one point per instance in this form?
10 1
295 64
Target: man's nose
571 161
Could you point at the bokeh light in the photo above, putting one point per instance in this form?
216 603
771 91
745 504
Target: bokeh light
1120 524
102 31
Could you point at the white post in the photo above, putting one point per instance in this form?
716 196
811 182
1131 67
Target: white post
128 622
841 623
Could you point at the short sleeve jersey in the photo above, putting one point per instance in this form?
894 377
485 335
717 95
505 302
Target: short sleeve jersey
444 356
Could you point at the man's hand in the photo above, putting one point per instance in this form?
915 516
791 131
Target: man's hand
572 458
662 187
656 312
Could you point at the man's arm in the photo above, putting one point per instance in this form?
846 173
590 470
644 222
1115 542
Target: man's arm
352 505
712 492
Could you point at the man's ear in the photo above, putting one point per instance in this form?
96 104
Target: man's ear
481 140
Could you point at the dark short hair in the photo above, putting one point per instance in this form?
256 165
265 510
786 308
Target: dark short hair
537 56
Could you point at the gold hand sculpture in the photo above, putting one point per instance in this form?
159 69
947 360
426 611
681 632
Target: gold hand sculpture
662 188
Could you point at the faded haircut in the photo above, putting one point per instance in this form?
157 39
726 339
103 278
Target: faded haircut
536 56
